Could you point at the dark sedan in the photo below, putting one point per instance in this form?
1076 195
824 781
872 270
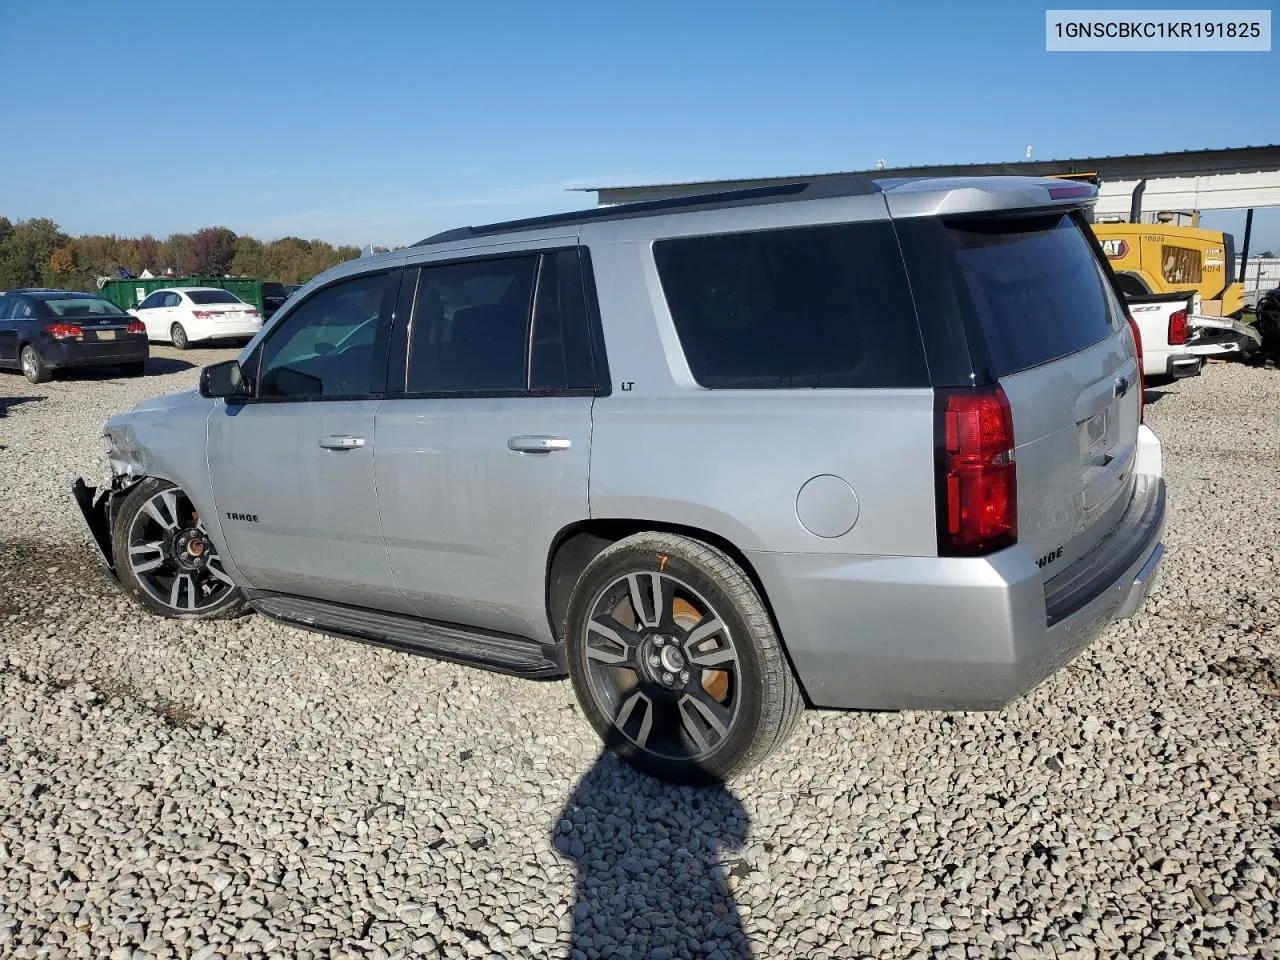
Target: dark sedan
46 330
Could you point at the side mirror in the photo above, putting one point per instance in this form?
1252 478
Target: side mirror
224 380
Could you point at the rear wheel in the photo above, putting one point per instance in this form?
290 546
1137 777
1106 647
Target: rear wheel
33 366
165 559
178 336
675 660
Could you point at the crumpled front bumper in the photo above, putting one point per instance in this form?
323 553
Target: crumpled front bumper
99 510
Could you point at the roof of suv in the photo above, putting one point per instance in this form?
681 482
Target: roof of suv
919 194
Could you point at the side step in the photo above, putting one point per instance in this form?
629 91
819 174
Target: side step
502 653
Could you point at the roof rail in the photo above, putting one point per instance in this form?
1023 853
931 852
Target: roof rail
848 185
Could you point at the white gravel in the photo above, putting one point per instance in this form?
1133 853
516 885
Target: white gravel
244 789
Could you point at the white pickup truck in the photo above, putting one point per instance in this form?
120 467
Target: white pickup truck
1176 339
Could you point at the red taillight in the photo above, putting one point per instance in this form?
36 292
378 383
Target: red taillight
63 331
202 314
1137 343
137 326
977 476
1178 328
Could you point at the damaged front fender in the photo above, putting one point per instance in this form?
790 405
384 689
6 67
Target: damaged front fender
99 510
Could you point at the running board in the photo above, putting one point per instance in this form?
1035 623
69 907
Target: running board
499 652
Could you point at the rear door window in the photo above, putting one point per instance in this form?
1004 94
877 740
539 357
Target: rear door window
1029 289
470 330
560 350
823 306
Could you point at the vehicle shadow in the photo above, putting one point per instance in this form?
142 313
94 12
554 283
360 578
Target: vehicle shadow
652 880
7 402
1150 396
155 367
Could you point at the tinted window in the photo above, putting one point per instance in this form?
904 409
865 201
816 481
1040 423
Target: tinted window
471 326
6 304
212 296
155 300
560 354
21 310
171 299
81 307
806 307
1030 288
328 345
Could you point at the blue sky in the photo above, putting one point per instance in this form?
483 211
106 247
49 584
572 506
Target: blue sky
384 122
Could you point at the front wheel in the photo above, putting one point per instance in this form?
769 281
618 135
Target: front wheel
178 336
675 661
165 559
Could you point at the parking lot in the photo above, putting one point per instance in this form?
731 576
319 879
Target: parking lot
241 788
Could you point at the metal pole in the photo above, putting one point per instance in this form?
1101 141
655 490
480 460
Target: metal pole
1244 251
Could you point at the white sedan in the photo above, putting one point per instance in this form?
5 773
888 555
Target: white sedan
185 315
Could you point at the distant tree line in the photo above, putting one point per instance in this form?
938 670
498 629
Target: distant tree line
37 253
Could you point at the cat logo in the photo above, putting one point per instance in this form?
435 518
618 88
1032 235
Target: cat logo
1115 249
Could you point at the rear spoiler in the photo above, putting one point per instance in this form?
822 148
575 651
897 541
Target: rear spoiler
984 196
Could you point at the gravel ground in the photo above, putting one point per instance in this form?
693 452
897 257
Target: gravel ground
245 789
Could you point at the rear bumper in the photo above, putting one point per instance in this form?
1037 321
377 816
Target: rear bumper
59 354
957 634
231 330
1185 366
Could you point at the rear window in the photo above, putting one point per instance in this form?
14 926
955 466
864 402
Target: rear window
212 296
82 307
824 306
1030 288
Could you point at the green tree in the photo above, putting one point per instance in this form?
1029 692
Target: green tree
25 253
248 261
178 252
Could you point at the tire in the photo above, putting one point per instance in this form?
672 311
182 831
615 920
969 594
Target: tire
133 369
178 336
1131 285
157 560
635 668
33 366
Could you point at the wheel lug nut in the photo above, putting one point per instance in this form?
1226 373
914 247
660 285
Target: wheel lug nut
659 641
684 676
667 678
655 661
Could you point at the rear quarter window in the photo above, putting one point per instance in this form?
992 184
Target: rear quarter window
824 306
1028 290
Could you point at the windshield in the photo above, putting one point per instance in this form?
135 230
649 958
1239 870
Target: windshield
83 307
212 296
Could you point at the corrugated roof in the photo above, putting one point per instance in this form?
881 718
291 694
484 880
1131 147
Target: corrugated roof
1079 162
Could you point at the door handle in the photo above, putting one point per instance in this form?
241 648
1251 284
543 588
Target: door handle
538 444
342 443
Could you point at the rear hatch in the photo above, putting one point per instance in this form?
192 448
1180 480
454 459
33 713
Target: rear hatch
1041 320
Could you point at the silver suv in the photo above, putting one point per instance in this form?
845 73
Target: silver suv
851 444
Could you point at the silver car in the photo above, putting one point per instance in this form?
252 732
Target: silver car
850 444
